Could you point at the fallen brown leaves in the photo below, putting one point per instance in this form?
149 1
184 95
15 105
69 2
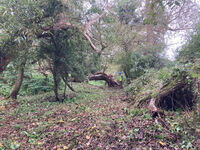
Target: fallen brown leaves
98 121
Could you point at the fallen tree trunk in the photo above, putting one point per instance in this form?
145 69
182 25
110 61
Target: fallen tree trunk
178 93
102 76
174 95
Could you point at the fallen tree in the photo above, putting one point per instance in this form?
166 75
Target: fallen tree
176 94
109 79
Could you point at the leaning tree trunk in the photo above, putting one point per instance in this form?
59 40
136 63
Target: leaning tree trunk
18 82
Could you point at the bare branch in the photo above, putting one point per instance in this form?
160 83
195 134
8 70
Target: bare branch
90 23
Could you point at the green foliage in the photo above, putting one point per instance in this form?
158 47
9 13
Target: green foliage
21 23
164 74
127 12
10 73
36 85
146 116
94 9
4 89
149 84
98 83
9 76
18 20
143 84
32 84
68 51
159 6
94 63
136 64
191 50
136 112
132 64
51 8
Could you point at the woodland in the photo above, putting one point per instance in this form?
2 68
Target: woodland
99 74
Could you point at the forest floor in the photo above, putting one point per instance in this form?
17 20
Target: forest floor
96 118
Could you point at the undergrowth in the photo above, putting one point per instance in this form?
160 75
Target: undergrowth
94 118
149 84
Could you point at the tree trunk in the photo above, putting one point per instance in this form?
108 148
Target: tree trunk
18 82
64 94
102 76
69 86
56 83
4 61
42 71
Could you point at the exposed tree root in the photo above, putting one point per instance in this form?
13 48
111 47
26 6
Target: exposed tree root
177 94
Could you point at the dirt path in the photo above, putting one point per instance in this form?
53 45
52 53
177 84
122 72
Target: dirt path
95 119
85 122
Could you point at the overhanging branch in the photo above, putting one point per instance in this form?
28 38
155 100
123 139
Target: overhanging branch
62 24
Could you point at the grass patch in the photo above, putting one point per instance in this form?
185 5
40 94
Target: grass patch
97 83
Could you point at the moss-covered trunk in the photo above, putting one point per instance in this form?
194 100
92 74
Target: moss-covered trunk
178 93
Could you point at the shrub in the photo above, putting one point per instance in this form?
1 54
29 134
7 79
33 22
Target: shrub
36 85
134 64
191 50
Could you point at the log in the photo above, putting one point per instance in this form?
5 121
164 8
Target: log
102 76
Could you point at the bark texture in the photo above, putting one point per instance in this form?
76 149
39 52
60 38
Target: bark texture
56 84
18 82
102 76
176 94
4 61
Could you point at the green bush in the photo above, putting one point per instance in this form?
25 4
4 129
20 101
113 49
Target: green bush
93 64
4 89
132 64
139 84
164 74
36 85
135 64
